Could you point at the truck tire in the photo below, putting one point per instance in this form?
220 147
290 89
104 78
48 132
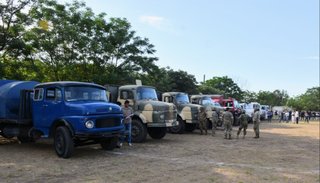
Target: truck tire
180 128
63 143
157 132
190 127
109 143
138 131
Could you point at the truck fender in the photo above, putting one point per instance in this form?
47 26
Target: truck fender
61 122
181 116
141 117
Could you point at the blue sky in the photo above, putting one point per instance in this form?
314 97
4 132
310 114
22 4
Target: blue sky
261 44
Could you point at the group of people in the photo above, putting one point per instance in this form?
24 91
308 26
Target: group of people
228 119
296 116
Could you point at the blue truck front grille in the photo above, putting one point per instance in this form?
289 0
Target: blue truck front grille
107 122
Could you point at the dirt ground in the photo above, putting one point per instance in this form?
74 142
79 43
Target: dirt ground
284 153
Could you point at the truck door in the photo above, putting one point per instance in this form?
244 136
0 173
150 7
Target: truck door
52 107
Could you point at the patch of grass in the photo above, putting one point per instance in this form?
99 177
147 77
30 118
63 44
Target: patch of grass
248 172
211 179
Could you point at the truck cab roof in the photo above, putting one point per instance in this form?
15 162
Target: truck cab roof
68 83
132 87
173 93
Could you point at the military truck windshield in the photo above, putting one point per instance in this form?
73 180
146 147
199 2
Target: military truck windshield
216 104
182 99
85 93
207 101
146 94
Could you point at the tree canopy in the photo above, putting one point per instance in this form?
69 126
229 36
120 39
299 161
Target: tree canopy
44 40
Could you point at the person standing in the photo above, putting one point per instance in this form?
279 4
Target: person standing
281 117
127 113
306 116
227 122
215 119
243 124
292 117
256 123
296 115
203 121
269 114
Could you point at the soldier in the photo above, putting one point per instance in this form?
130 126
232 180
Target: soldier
227 122
243 124
203 121
256 122
215 119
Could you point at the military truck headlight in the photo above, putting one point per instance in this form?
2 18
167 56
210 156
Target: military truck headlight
89 124
161 116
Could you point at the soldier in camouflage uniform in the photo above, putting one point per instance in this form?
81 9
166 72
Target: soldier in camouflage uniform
227 122
203 121
215 119
256 122
243 124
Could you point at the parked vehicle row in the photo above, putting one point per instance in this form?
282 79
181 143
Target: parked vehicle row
78 113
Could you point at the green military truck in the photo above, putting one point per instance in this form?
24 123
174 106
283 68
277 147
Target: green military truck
188 114
210 105
151 116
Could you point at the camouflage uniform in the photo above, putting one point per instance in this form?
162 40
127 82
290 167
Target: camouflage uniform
227 122
243 124
256 123
215 119
203 121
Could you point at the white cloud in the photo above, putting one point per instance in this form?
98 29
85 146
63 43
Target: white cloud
312 58
154 21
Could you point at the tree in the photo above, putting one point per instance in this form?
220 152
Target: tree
167 79
13 21
225 85
310 100
249 96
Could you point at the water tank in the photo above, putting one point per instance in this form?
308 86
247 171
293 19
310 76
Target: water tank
10 97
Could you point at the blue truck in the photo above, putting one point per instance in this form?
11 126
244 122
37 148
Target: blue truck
72 113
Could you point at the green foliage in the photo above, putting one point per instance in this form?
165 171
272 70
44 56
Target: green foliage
13 21
166 79
307 101
225 85
249 96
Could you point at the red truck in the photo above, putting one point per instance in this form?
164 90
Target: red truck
229 103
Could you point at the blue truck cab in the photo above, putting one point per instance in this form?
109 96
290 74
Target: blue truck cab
72 113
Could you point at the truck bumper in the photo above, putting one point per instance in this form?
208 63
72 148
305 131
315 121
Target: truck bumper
168 123
117 133
192 121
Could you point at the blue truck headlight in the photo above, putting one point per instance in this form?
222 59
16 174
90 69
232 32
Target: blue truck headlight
89 124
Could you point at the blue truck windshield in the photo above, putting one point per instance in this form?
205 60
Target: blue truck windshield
85 93
182 99
147 94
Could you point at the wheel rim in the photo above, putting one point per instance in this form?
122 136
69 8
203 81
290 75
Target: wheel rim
60 144
135 130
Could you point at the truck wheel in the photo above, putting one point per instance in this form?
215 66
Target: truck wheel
63 142
180 128
157 133
138 131
109 143
3 134
190 127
